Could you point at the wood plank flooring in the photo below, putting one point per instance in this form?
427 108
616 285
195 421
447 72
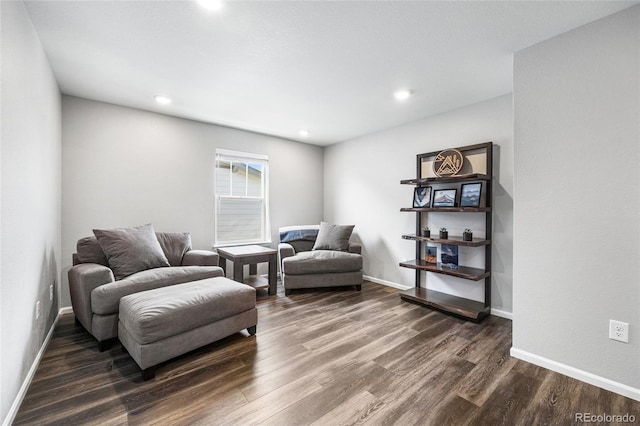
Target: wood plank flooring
320 357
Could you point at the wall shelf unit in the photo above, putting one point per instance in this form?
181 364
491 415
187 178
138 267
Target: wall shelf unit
458 306
447 209
457 178
477 242
476 167
465 272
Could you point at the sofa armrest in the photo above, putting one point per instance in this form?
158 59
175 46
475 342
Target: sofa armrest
83 278
285 250
355 248
200 258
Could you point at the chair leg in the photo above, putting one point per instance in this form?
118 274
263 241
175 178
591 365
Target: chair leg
252 330
287 292
104 345
149 373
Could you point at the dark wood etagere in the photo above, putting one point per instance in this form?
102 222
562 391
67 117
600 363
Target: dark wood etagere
477 167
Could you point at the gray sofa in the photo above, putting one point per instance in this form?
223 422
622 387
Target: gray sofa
96 287
313 256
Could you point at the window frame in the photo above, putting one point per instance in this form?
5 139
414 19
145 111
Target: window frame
238 156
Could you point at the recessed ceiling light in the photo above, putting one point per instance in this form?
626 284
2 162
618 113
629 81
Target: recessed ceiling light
162 100
402 94
304 132
211 4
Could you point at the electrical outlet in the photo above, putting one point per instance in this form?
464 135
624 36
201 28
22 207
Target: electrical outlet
50 292
619 331
38 310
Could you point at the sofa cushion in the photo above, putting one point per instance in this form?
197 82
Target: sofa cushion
333 237
154 315
131 250
321 262
302 245
106 298
89 251
174 245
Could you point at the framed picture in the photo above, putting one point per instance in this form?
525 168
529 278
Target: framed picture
449 256
431 254
470 194
422 196
444 197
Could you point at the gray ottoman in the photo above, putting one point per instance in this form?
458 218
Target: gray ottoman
157 325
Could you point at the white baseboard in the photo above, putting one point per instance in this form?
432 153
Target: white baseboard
497 312
13 411
387 283
502 314
67 310
575 373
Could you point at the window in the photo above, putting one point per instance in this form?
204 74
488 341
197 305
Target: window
242 198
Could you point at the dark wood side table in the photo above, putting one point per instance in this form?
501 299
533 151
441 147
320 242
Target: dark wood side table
251 255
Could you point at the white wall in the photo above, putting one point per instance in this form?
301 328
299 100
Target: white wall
124 167
577 203
30 198
362 187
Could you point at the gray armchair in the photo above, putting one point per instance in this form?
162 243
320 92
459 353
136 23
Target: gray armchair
305 264
96 290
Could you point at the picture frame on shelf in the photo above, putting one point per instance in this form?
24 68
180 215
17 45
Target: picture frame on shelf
431 254
444 197
422 196
449 256
470 194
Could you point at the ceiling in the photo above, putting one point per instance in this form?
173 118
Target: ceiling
276 67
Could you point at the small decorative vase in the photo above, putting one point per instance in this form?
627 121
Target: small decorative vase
426 234
444 235
467 236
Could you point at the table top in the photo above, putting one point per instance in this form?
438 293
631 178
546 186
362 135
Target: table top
243 251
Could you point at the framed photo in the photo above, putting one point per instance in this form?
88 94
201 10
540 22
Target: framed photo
422 196
470 194
444 197
449 256
431 254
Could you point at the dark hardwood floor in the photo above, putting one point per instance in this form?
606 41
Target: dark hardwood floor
334 357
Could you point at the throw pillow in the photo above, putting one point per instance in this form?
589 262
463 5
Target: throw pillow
131 250
89 251
174 245
333 237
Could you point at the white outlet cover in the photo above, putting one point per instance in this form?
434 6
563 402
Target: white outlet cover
38 309
619 330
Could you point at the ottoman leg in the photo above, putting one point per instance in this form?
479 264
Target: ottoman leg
252 330
103 345
149 373
359 287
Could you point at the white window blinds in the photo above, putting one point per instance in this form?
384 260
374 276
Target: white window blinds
242 198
